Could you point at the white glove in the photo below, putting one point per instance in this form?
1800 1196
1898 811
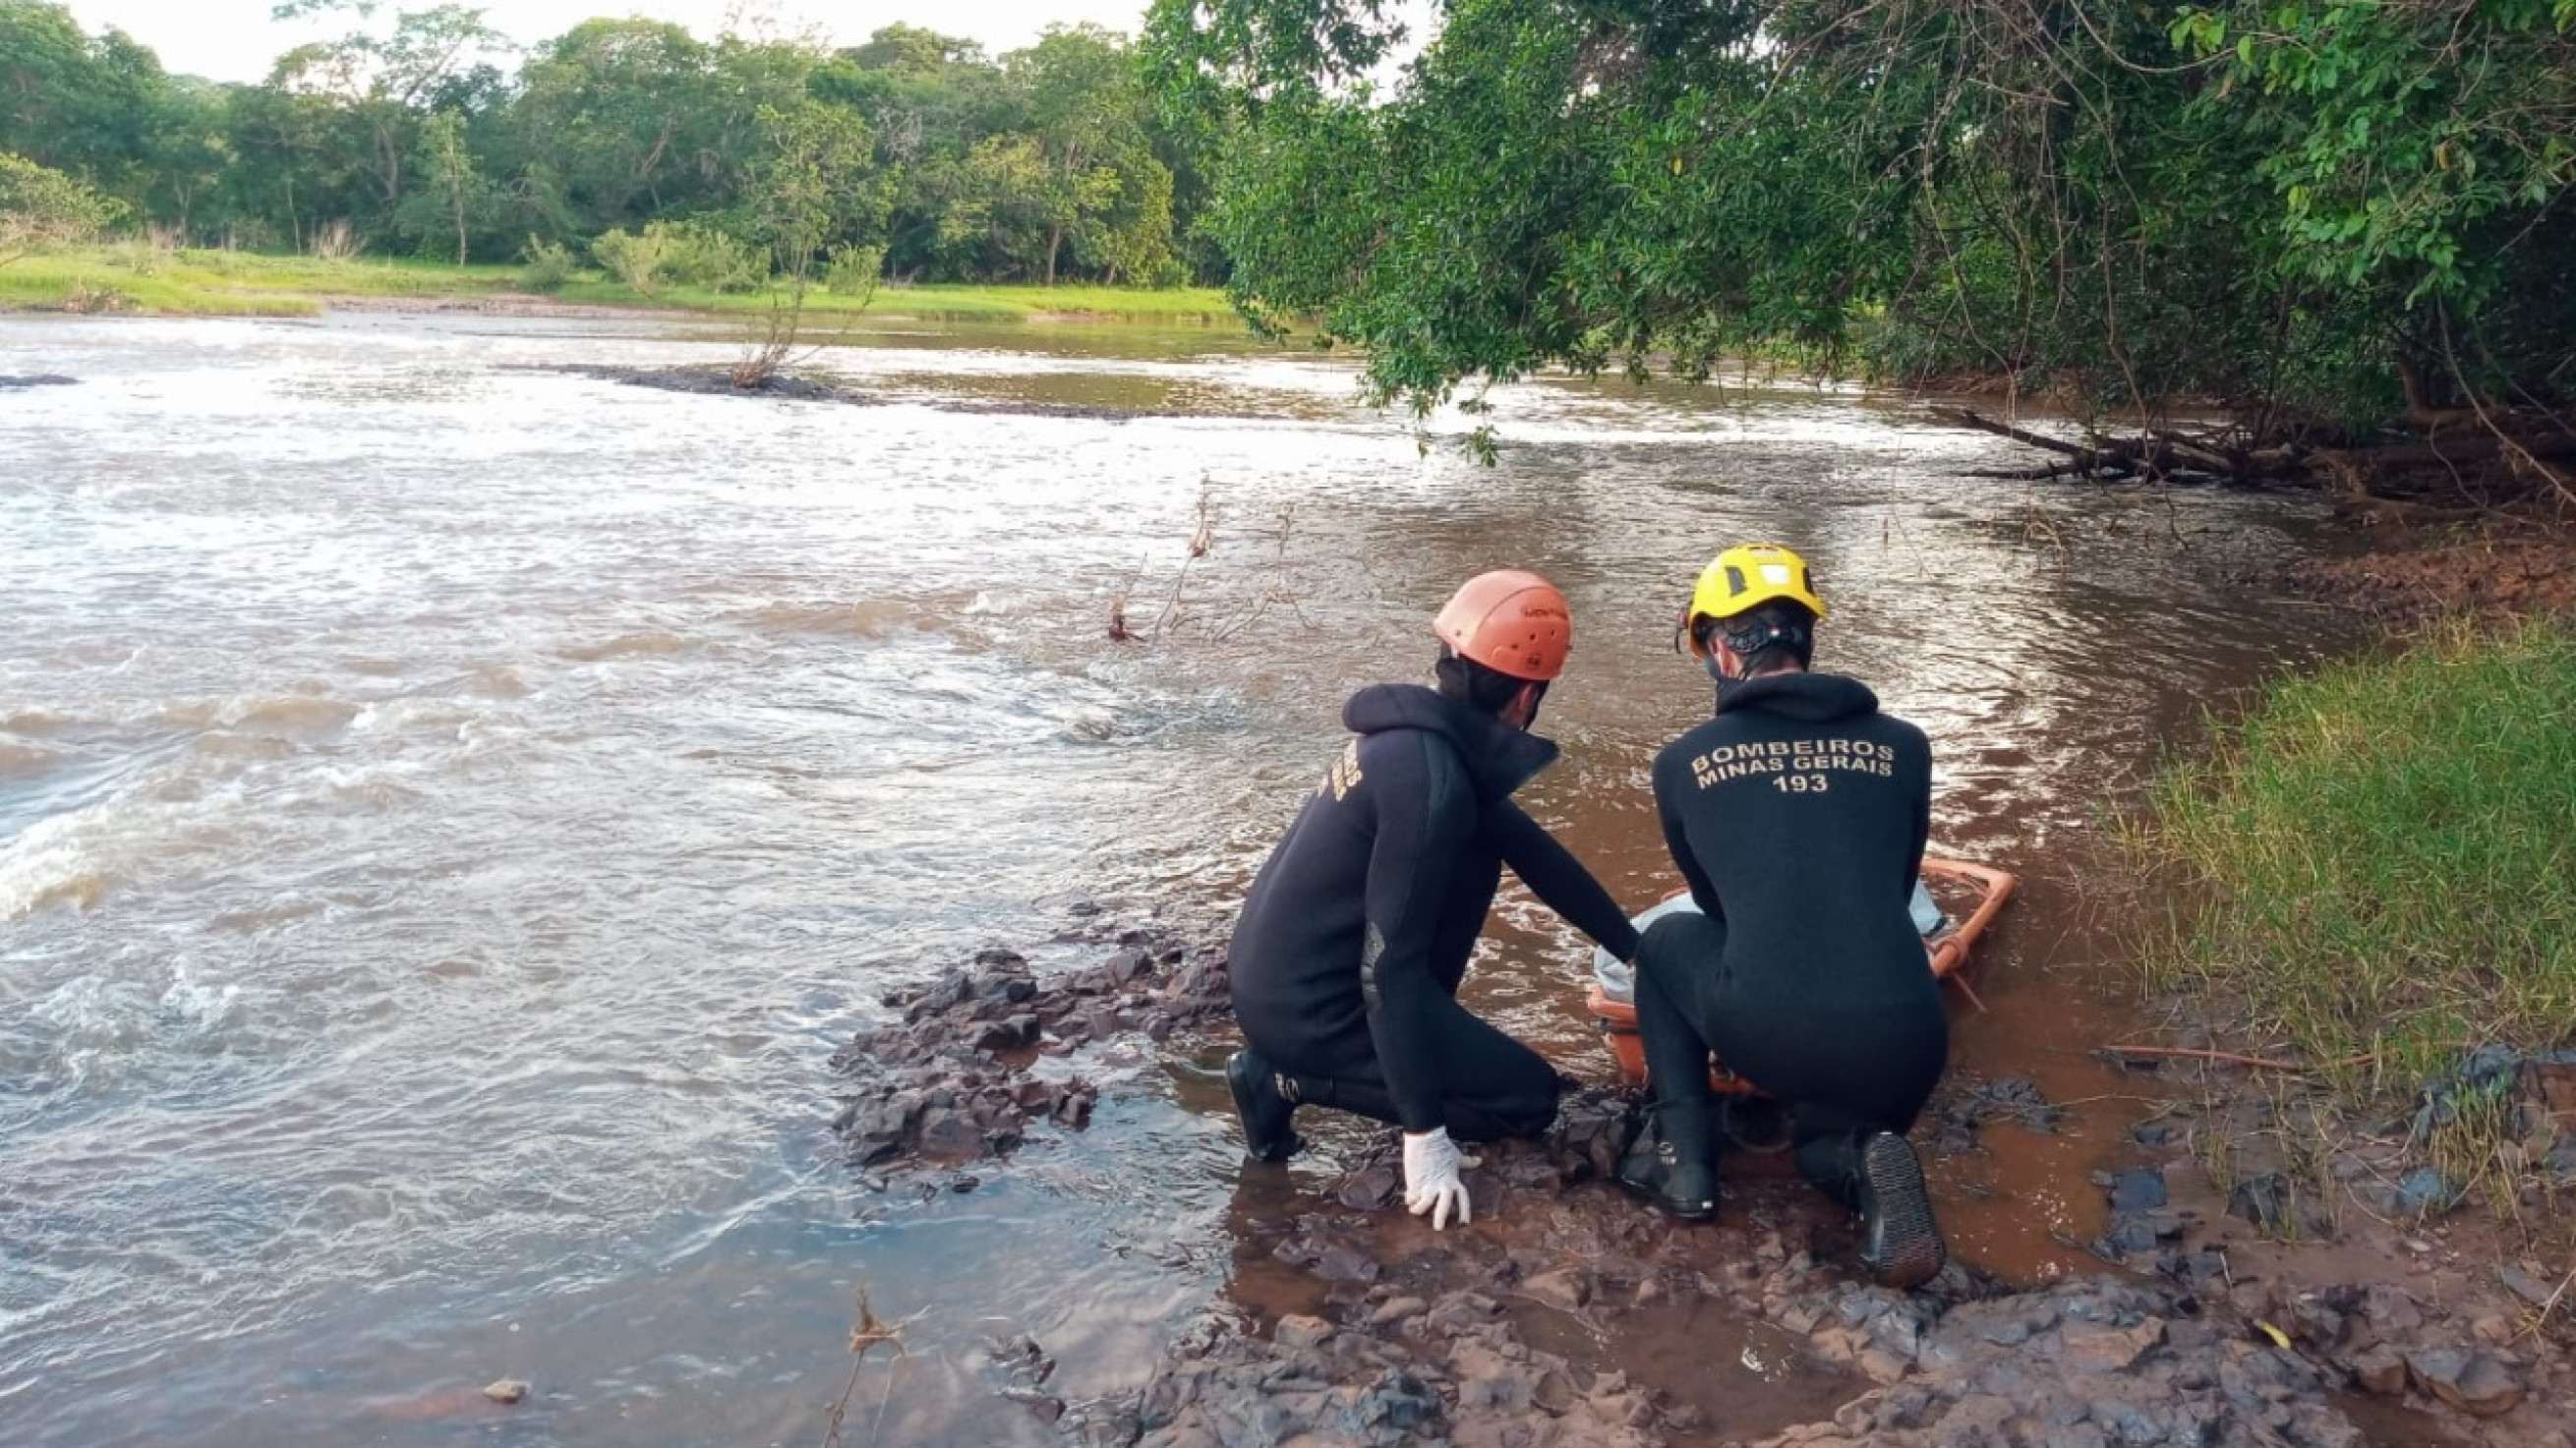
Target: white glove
1431 1183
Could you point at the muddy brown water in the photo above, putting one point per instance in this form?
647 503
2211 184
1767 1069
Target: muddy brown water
449 811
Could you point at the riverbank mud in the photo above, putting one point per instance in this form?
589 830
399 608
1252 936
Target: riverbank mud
2413 574
1566 1313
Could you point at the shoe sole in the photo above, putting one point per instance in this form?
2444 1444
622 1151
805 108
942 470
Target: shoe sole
1913 1253
1243 1110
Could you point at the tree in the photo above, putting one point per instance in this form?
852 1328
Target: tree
449 167
41 207
381 84
2285 207
618 107
1088 113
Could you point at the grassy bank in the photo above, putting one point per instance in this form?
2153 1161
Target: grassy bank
134 278
2381 857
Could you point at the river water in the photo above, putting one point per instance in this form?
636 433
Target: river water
450 810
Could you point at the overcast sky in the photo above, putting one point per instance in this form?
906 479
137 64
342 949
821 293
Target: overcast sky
235 39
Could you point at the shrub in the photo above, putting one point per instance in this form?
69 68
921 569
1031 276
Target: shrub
337 241
853 271
706 256
549 266
41 208
639 261
689 253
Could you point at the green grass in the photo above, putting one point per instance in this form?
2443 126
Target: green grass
132 278
2380 859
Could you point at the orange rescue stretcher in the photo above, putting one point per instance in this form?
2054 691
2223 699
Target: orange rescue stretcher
1987 889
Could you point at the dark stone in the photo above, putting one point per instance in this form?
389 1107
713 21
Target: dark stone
2138 1189
1126 966
1371 1188
2525 1286
2381 1371
2472 1382
950 1133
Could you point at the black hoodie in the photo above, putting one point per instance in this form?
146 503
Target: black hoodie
1798 816
1375 898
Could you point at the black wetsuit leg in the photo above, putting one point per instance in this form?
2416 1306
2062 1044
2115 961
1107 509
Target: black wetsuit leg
1491 1085
1681 975
1843 1069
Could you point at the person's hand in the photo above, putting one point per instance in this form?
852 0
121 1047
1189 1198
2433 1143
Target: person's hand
1431 1183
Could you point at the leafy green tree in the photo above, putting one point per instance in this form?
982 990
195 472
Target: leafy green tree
448 167
619 109
382 84
2290 206
41 207
1088 112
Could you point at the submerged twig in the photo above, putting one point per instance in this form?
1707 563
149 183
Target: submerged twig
866 1332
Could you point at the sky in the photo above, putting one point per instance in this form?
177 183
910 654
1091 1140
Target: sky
235 40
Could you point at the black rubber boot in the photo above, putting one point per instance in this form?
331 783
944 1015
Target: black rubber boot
1265 1110
1900 1245
1673 1165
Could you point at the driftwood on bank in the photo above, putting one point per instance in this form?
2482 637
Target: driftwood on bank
2154 455
2499 459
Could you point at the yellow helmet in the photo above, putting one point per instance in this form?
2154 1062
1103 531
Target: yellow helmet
1745 577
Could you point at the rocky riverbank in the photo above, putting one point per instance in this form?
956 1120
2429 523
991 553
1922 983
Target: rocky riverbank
1568 1314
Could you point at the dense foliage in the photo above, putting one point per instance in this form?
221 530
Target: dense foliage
41 207
2318 211
422 133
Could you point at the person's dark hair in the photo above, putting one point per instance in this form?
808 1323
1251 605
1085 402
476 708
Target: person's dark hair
1480 688
1766 636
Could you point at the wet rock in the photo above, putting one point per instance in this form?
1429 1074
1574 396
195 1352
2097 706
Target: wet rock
2473 1382
2112 1349
2391 1312
2279 1206
1297 1330
2381 1371
2138 1189
1009 1034
2014 1099
2525 1286
506 1390
1396 1311
2418 1194
1565 1288
1373 1187
949 1133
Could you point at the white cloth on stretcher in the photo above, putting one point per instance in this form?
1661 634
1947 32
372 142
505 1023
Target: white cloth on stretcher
1619 982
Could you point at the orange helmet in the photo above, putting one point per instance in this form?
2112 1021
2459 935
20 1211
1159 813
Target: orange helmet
1510 621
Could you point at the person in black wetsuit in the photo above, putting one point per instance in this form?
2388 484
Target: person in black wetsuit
1355 936
1797 814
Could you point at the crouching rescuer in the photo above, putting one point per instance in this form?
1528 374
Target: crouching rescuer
1355 936
1797 814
